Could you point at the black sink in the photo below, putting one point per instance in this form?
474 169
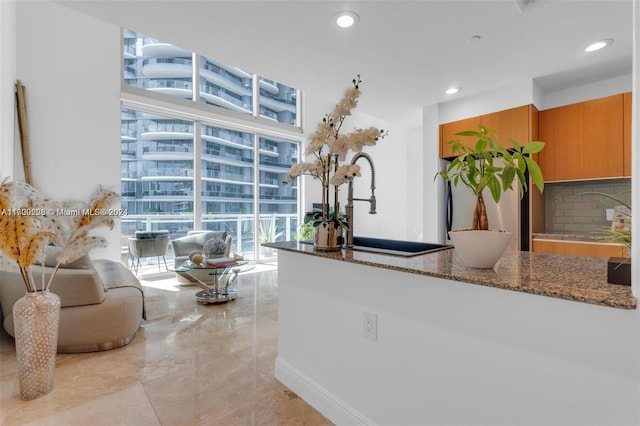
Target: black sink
396 247
392 247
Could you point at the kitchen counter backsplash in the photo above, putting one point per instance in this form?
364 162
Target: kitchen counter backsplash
580 279
569 211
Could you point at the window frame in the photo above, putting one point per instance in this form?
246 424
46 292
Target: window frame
200 114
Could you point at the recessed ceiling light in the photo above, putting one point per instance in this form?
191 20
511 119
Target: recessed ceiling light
452 90
598 45
345 19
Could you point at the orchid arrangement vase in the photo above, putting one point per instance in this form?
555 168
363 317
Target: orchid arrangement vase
328 147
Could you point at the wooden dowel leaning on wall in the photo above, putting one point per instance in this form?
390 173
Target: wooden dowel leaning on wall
24 131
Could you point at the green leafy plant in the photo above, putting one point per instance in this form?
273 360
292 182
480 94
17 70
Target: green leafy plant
268 232
478 168
340 220
616 235
305 232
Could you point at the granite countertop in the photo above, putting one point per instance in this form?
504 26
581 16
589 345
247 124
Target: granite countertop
580 279
557 235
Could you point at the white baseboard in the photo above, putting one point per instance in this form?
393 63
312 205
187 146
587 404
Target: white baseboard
328 404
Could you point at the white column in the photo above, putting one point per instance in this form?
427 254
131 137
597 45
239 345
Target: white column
635 149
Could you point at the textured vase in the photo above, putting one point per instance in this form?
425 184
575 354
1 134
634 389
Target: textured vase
328 237
36 318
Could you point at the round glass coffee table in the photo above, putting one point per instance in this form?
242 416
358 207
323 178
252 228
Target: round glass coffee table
215 278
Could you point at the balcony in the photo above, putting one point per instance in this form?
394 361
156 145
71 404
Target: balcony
216 96
174 173
167 153
167 68
216 175
165 131
152 48
278 104
269 150
227 138
220 76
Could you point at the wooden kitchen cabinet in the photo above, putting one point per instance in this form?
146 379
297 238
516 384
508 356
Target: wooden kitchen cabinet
626 148
515 123
448 133
583 140
579 248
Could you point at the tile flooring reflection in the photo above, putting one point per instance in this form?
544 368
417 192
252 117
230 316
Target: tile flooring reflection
189 364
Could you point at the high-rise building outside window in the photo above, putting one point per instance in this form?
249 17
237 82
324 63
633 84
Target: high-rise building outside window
182 171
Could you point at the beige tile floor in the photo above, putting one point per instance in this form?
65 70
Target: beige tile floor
189 364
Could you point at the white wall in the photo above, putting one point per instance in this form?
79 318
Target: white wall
389 157
415 182
585 92
635 147
432 190
7 81
505 97
70 66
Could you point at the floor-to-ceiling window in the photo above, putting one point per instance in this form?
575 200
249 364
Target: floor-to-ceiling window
183 168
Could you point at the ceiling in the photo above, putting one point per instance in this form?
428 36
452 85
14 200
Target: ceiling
408 52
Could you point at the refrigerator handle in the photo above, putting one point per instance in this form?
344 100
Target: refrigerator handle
449 208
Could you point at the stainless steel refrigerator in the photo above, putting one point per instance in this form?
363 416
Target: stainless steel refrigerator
507 215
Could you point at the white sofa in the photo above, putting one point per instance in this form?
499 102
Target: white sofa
102 302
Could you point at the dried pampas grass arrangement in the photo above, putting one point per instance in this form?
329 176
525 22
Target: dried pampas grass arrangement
29 222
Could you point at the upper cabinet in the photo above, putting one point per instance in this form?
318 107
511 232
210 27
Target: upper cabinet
448 133
626 148
583 140
516 123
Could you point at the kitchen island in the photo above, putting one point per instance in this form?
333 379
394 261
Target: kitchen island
538 339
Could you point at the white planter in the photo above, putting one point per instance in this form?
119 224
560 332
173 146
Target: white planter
480 249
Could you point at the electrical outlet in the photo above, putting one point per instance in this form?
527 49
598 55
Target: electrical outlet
370 325
609 214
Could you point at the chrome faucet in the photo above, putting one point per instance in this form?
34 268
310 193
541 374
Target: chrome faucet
350 199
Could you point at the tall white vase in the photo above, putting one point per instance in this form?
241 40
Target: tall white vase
36 318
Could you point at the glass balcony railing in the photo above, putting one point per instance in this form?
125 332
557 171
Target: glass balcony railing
166 83
226 194
230 156
239 225
168 127
217 69
169 172
227 135
216 174
132 133
168 193
179 149
272 163
270 181
269 147
213 90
